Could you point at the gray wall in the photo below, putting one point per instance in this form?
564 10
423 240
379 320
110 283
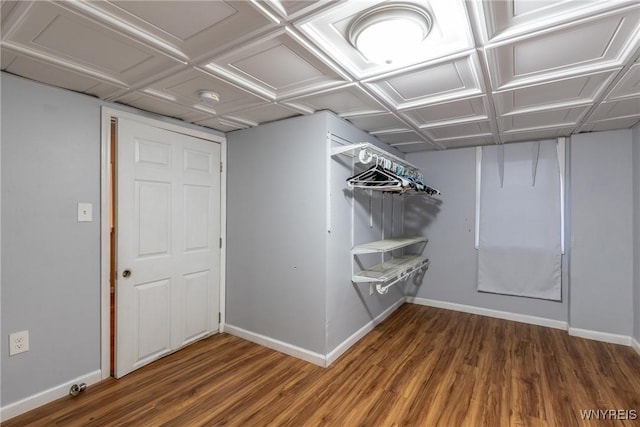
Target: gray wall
50 263
276 264
288 278
601 228
449 223
636 227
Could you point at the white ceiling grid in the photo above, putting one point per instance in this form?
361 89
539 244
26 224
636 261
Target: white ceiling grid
490 71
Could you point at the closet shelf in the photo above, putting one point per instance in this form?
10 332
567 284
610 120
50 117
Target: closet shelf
353 150
387 245
394 270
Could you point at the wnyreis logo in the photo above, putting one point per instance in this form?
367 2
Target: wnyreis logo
608 414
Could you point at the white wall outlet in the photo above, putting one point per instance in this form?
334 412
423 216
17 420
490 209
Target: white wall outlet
85 212
18 342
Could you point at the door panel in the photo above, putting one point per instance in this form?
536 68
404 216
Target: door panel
168 227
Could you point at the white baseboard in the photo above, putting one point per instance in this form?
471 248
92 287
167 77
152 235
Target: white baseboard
346 344
274 344
636 345
20 407
506 315
601 336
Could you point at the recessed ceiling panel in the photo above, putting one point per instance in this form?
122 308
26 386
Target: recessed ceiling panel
542 119
508 18
453 79
347 101
377 122
220 124
398 137
535 135
48 30
329 29
464 110
160 106
262 114
464 142
586 46
414 147
184 88
629 107
196 28
292 69
463 130
577 90
611 124
291 9
60 77
629 85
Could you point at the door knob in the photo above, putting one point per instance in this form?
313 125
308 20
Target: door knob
126 273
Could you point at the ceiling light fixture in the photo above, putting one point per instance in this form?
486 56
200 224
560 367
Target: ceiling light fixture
208 95
390 33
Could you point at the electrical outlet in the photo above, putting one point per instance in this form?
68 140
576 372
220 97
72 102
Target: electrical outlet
18 342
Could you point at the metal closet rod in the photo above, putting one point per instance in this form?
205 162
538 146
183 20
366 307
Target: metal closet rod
368 151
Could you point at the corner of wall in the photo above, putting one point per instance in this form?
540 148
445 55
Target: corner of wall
636 234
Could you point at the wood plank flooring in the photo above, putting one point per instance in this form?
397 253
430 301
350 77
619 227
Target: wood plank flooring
421 367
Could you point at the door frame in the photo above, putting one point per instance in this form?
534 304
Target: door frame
107 113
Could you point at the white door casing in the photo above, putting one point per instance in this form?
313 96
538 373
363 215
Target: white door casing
168 231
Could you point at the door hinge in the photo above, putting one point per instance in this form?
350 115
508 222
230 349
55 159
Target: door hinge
219 317
221 168
221 243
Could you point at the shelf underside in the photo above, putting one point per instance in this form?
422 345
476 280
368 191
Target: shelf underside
391 269
387 245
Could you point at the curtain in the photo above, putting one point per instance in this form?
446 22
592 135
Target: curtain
519 246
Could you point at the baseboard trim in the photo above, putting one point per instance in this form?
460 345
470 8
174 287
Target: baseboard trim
360 333
506 315
274 344
21 406
601 336
636 345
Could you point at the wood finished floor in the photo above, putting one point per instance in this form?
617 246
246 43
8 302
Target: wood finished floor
421 367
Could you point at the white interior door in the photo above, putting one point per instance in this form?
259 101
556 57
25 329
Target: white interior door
168 231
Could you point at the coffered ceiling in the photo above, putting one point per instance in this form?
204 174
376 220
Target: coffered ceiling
489 72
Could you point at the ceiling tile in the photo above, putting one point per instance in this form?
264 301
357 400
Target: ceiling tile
413 147
509 18
197 29
452 112
400 137
433 83
587 46
345 101
184 87
629 84
542 119
611 124
330 27
220 124
377 122
57 76
461 130
573 91
473 141
159 106
291 9
267 112
51 31
538 134
292 69
628 107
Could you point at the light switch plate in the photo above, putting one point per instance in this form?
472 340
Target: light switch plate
85 212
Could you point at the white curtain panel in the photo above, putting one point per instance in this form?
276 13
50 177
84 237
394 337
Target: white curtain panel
519 250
